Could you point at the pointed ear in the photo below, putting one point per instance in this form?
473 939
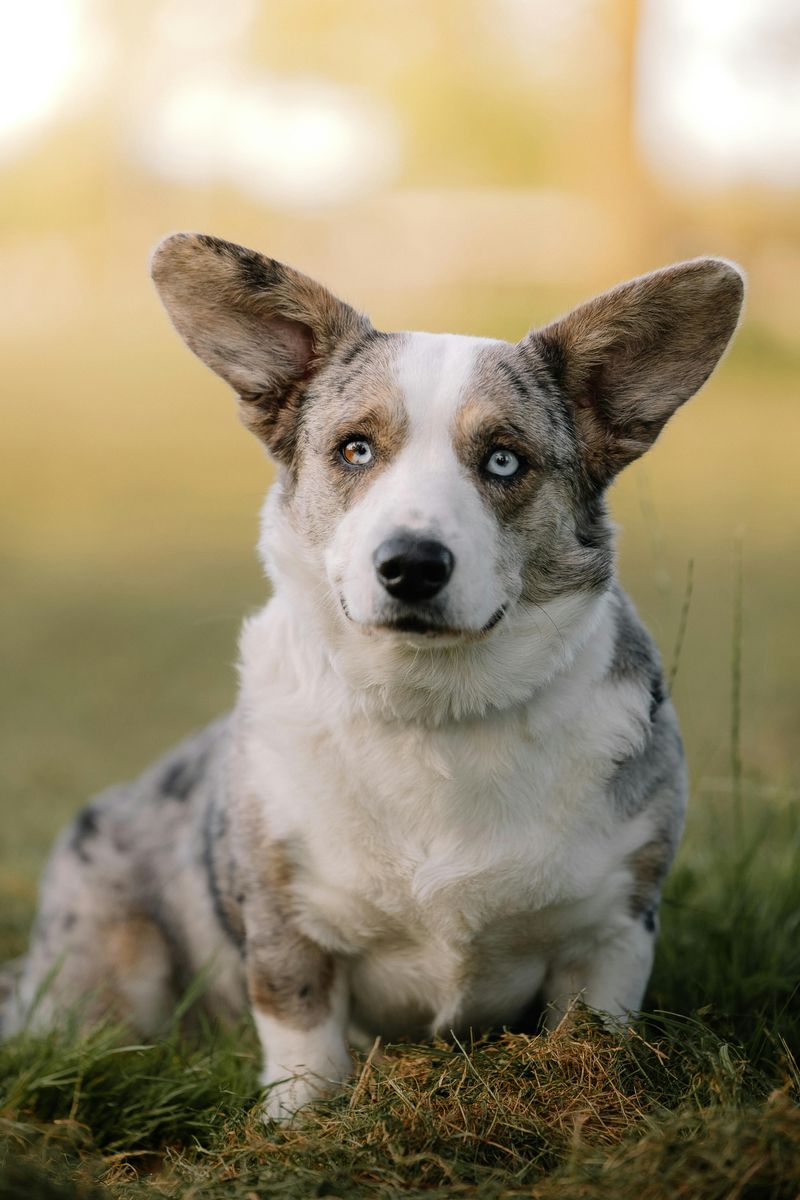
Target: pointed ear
629 358
265 328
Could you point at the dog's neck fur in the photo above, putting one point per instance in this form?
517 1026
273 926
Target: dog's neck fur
380 675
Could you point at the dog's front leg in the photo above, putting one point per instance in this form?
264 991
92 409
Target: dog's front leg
299 999
611 977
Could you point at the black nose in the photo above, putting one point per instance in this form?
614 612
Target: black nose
412 569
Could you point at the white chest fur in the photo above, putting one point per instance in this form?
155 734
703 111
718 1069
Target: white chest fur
448 864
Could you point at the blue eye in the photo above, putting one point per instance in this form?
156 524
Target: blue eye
503 463
357 453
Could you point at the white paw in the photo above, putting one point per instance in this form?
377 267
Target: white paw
301 1065
286 1097
286 1094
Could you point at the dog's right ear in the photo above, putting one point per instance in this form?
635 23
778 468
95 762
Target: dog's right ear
265 328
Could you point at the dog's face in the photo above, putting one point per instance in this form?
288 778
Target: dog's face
440 483
439 478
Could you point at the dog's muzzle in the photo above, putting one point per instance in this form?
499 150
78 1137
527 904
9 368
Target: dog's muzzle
413 569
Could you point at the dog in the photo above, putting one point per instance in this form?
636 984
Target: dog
453 780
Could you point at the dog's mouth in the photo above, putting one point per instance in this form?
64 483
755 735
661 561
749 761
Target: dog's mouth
427 624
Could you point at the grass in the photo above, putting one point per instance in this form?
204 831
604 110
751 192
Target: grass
672 1108
679 1106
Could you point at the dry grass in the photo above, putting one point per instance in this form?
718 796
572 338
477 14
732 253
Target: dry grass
673 1111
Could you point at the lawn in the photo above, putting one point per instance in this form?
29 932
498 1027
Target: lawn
119 613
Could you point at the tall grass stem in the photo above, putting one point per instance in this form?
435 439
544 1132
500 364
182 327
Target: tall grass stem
736 689
683 622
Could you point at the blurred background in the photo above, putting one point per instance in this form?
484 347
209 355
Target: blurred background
467 165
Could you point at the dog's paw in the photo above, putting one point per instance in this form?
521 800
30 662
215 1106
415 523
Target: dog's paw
285 1098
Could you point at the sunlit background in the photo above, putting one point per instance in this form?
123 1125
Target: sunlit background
469 165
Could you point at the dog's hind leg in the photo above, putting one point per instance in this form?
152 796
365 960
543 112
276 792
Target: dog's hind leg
95 951
11 973
116 968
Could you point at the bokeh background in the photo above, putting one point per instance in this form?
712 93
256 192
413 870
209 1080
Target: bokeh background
466 165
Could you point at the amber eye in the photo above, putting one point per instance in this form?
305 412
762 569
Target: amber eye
357 452
503 463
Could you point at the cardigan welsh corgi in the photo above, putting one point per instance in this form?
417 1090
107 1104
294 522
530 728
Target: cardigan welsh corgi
453 781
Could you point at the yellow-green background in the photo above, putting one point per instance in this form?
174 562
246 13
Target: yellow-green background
129 493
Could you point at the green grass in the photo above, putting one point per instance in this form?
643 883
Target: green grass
699 1101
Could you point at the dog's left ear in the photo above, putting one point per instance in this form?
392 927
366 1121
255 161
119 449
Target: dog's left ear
264 327
630 357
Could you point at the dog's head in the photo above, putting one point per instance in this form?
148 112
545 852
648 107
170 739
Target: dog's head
440 484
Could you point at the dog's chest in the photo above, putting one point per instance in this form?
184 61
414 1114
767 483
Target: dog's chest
435 860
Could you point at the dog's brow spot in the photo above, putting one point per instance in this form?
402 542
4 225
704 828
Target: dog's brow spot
523 391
